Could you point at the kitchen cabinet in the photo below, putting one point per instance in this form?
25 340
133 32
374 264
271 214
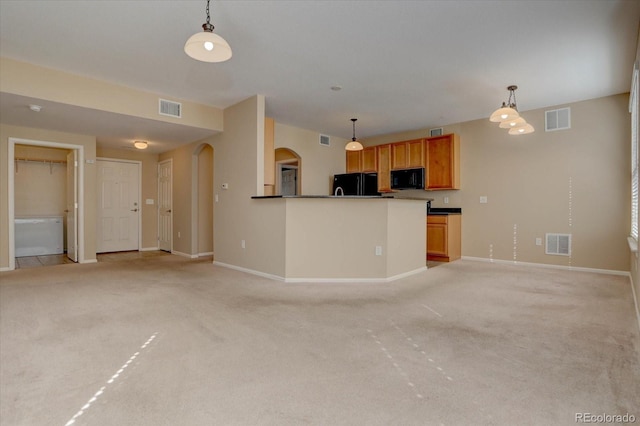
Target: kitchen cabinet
384 167
407 154
354 161
370 159
399 156
444 234
269 157
415 153
442 162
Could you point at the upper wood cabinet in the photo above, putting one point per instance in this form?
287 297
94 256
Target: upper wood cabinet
384 167
407 154
443 162
362 161
370 159
354 161
415 152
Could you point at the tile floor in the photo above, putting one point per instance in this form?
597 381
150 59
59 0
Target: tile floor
59 259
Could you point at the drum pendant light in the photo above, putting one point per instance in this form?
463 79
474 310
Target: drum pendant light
354 145
206 46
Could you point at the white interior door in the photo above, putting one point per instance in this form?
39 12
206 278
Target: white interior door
72 205
289 178
165 201
118 206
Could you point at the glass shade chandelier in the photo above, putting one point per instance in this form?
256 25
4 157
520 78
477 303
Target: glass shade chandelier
509 118
354 145
206 46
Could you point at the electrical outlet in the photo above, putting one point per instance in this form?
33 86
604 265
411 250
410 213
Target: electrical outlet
538 241
483 199
178 234
378 250
446 200
242 244
216 198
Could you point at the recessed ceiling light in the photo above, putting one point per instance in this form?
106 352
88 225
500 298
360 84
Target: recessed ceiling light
336 88
35 108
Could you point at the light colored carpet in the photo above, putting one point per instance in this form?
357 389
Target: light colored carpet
164 340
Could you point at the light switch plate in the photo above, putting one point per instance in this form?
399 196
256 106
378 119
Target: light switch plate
483 199
149 201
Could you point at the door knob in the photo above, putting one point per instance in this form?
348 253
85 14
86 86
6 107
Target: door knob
134 210
169 211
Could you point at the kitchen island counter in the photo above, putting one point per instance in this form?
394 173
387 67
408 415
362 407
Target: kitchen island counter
337 239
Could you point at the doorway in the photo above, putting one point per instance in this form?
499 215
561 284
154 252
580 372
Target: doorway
288 172
165 205
74 218
119 210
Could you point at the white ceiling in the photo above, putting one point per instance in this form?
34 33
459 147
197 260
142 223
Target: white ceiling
402 65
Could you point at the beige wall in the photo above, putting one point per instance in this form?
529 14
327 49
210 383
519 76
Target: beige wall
205 200
336 238
318 163
572 181
634 261
40 188
25 79
149 187
89 144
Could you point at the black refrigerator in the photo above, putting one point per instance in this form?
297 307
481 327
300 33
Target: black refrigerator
355 184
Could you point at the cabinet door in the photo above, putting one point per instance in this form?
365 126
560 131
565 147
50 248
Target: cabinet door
354 161
437 237
370 159
384 168
399 156
415 151
443 162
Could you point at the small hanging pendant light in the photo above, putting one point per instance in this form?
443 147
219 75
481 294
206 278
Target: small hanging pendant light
206 46
354 145
508 116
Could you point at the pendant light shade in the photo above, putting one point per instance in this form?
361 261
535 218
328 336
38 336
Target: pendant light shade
523 130
206 46
504 113
354 145
515 122
509 118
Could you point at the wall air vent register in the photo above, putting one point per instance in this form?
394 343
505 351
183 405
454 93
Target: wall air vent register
557 119
169 108
558 244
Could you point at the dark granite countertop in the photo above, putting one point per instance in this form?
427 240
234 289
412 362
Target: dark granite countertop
444 210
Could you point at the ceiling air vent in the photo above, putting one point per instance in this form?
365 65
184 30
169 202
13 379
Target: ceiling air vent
558 244
172 109
324 140
557 119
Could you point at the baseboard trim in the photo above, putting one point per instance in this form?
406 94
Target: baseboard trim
5 269
210 253
321 280
89 261
545 265
150 249
179 253
635 299
248 271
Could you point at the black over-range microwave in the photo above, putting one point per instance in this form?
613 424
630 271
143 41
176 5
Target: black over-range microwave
407 178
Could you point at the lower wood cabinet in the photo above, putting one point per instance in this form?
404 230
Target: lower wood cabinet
444 234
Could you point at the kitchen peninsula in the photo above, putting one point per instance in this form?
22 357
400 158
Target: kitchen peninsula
343 238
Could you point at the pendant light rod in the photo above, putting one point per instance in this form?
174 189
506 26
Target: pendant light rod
354 145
